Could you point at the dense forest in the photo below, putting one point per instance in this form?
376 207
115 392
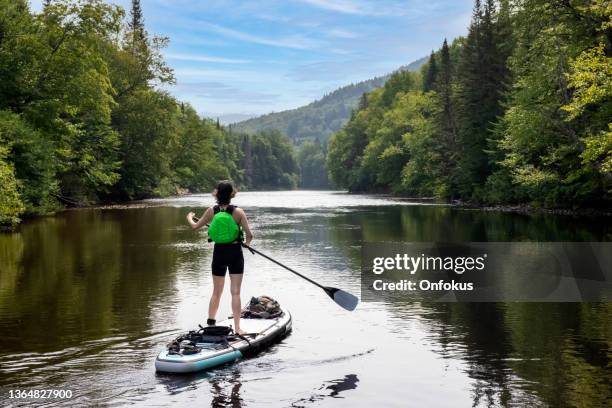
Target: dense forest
518 111
268 161
83 118
319 119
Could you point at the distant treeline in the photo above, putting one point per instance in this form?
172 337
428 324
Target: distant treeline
83 119
268 161
519 111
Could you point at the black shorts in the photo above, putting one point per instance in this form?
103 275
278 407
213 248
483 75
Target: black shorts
227 256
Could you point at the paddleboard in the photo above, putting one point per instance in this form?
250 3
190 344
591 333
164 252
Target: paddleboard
262 334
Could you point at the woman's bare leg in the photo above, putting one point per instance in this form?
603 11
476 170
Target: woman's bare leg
213 305
235 283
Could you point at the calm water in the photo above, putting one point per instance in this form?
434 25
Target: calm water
88 298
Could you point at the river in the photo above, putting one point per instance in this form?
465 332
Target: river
88 298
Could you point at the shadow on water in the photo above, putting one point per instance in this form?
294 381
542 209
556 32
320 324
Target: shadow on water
329 389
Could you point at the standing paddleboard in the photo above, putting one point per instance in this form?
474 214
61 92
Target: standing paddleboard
206 352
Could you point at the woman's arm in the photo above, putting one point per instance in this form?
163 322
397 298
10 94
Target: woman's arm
244 223
205 219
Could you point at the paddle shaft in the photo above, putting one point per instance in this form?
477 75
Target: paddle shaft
284 266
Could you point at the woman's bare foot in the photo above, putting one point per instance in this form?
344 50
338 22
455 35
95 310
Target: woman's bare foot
240 332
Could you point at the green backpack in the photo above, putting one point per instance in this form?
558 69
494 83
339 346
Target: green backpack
223 228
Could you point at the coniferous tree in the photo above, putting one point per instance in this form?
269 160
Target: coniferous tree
247 159
447 143
431 73
136 24
363 101
504 40
481 85
470 95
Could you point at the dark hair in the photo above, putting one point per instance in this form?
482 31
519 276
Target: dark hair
225 188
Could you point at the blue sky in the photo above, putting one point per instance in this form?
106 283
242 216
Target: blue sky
235 58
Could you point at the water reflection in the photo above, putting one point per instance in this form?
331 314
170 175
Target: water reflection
519 353
224 386
226 391
82 276
107 288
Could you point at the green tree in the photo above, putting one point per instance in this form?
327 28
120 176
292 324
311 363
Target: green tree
367 154
269 162
11 205
447 147
81 119
30 154
430 73
136 24
54 76
554 148
590 77
480 87
195 162
313 170
147 121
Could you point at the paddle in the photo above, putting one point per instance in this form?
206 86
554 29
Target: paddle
342 298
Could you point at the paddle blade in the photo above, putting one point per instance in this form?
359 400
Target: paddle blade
342 298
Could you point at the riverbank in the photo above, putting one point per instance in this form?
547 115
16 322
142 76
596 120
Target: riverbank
528 209
506 208
516 209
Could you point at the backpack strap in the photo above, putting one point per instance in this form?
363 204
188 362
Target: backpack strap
229 209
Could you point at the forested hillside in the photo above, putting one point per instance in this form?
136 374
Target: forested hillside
320 118
519 111
82 118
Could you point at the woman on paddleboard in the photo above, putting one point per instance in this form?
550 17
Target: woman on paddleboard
227 224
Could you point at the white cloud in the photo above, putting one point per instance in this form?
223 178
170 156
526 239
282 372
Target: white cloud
360 7
341 51
229 75
215 73
294 41
205 58
219 91
340 33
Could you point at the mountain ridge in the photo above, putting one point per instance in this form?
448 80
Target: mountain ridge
322 117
